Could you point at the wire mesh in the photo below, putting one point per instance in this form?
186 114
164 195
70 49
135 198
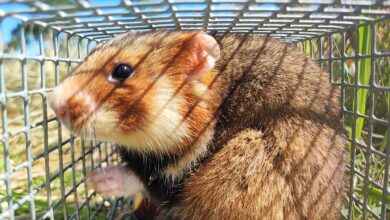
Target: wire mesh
44 168
357 62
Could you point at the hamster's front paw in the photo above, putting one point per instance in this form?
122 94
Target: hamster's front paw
115 181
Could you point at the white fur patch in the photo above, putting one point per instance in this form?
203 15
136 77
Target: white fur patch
163 129
211 61
199 88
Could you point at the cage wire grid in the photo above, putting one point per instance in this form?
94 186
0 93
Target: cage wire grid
43 168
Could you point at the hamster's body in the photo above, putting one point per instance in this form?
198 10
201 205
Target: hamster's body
255 136
279 151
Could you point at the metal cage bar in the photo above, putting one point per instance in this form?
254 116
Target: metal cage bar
50 39
370 151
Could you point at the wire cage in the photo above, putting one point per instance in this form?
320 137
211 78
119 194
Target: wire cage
43 168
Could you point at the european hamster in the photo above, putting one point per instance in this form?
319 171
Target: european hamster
224 127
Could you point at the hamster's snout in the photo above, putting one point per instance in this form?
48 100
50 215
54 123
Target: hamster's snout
73 110
60 108
61 111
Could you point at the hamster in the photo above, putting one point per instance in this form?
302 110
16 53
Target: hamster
223 127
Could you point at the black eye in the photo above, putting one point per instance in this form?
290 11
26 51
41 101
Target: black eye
122 72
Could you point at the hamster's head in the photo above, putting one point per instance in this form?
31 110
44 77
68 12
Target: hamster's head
147 91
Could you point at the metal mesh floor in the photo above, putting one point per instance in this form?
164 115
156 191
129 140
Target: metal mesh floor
43 168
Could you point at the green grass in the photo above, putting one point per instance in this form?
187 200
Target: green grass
374 195
381 101
17 144
365 39
308 48
382 108
42 205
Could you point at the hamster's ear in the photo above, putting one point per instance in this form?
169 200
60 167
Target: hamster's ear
204 52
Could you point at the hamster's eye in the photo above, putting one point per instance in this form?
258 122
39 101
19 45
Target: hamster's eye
122 72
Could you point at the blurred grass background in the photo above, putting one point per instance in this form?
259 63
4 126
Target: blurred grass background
45 74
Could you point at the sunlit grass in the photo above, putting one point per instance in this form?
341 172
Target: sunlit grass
361 101
15 108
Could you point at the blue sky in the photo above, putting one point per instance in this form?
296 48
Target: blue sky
9 24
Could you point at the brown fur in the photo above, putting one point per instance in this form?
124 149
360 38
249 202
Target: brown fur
277 150
261 183
133 100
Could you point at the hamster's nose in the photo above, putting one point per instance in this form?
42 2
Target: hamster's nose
72 110
59 107
61 111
